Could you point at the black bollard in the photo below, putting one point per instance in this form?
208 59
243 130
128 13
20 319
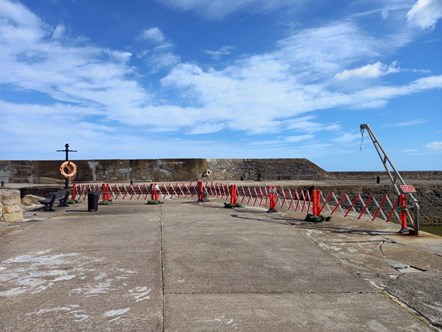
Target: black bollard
92 201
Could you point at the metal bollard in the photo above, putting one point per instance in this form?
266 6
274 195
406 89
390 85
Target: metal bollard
92 201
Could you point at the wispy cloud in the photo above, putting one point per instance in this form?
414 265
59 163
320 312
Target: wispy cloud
297 139
279 91
435 146
348 138
224 50
160 56
406 123
375 70
425 13
217 9
153 34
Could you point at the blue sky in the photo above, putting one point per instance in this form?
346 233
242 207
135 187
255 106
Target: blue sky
222 79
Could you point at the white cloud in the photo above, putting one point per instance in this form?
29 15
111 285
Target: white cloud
375 70
425 13
17 13
206 128
264 92
406 123
348 138
160 60
318 53
224 50
161 56
379 95
305 124
153 34
435 146
217 9
59 31
268 92
297 139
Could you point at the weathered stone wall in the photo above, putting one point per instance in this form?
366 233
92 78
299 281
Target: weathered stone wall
266 169
371 176
191 169
106 170
10 203
164 170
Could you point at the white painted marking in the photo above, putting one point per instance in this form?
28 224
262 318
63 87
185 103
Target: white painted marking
113 313
140 293
101 276
37 271
13 292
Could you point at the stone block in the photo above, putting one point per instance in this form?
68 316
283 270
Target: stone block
11 210
11 197
7 209
30 200
13 217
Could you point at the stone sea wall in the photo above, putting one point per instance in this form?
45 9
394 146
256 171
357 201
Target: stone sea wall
372 176
264 169
164 170
105 170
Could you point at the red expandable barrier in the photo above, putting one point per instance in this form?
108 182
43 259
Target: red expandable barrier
309 200
352 205
325 202
365 207
74 191
298 200
339 203
392 209
292 198
303 199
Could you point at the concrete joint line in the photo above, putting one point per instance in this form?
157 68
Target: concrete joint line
162 268
270 293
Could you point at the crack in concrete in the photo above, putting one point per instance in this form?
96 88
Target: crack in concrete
345 242
411 310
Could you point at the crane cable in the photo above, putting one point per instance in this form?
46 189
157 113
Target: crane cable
362 138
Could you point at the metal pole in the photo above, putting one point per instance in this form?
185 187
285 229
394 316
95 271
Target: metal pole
66 150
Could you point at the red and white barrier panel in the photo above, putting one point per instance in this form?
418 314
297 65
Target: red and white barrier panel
300 200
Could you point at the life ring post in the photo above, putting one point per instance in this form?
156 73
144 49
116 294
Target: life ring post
66 150
68 169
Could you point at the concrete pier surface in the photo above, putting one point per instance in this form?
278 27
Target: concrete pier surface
187 266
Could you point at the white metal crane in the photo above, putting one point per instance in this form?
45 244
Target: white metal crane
394 176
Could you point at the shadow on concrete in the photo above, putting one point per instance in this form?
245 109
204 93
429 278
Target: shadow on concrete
342 230
275 221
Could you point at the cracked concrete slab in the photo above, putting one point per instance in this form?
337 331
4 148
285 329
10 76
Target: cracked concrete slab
199 267
420 291
405 267
285 312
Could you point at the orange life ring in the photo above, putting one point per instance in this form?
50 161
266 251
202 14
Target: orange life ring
70 167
